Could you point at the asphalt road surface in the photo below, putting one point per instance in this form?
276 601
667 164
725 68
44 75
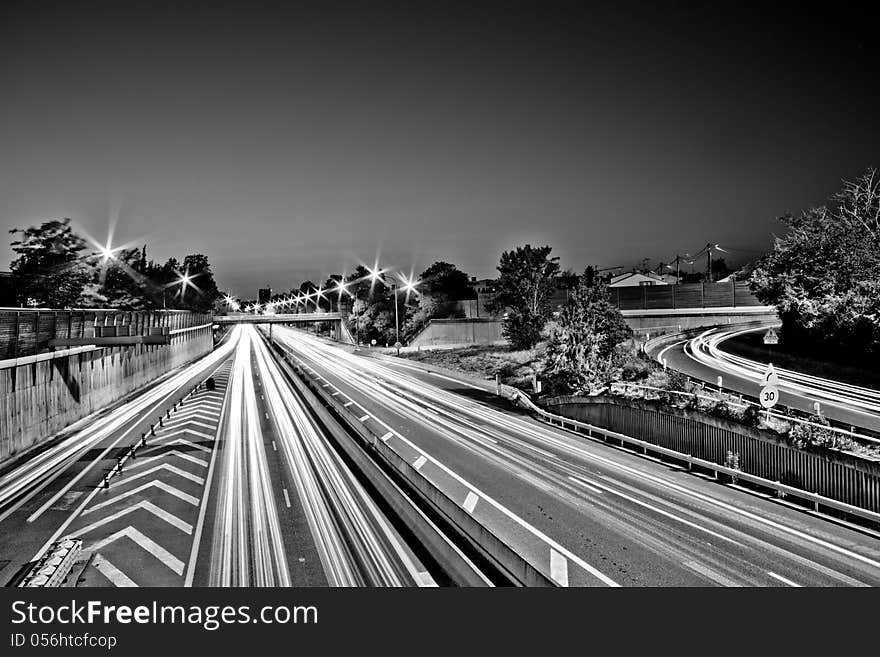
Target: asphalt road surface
241 486
703 357
580 511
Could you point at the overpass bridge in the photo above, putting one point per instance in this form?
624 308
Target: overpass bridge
338 330
286 318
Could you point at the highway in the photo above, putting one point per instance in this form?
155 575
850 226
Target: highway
236 486
703 357
581 512
244 484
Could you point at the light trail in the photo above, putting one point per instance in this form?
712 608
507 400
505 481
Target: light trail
514 444
356 543
22 483
248 548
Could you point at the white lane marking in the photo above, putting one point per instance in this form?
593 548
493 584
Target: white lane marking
147 544
180 432
197 539
558 568
470 502
347 404
586 485
723 505
655 509
333 394
537 533
487 388
83 472
325 385
419 462
141 462
171 490
274 446
665 349
424 579
146 505
209 414
267 415
118 578
169 468
718 578
364 418
386 436
286 497
262 397
176 425
177 441
784 580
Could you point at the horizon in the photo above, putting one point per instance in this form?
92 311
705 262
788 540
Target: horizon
325 139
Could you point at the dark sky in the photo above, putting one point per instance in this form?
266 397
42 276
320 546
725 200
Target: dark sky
291 140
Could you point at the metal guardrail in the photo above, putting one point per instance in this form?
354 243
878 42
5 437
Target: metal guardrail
781 489
745 402
480 536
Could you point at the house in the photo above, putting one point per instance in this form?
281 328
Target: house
637 279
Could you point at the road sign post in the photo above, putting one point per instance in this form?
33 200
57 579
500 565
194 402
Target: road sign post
768 397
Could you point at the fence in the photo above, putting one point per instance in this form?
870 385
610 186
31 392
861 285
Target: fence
687 295
833 475
26 332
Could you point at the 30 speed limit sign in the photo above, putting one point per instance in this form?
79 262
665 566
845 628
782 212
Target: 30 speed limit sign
769 396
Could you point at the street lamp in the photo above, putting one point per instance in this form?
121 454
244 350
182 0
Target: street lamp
408 286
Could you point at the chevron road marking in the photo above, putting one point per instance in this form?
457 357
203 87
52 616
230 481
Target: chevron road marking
169 468
146 543
174 425
174 452
178 441
170 518
181 432
111 572
155 484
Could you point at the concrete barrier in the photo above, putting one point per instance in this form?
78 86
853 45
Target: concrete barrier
42 397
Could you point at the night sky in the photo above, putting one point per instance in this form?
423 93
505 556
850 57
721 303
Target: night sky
290 141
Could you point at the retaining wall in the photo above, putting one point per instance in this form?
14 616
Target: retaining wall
42 397
828 472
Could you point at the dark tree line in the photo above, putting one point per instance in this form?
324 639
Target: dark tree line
56 268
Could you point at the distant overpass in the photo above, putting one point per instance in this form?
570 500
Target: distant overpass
338 330
289 318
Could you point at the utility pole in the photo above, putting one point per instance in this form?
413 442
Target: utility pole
709 262
396 320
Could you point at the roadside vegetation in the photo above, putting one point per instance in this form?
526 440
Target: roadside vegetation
55 267
823 276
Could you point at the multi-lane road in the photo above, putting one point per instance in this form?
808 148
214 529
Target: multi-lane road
584 513
703 357
245 485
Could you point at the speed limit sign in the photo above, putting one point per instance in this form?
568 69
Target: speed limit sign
769 396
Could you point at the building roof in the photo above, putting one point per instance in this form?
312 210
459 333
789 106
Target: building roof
636 278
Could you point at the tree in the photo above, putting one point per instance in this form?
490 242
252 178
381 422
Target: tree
49 270
823 276
527 281
117 283
200 295
583 351
441 287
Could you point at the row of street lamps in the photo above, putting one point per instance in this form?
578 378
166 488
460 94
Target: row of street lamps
399 281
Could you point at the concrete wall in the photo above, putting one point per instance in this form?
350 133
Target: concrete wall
448 332
671 321
444 332
40 398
